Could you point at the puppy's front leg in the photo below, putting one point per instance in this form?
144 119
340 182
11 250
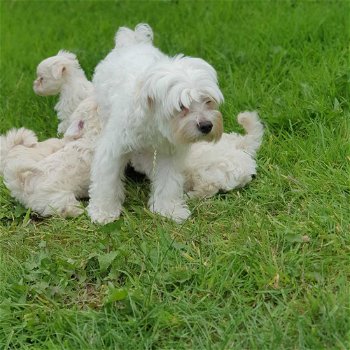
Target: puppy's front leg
107 188
167 189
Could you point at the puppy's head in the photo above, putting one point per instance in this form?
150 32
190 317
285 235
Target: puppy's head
184 96
52 73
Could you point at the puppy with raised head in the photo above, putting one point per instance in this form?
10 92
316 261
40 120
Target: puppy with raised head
150 103
62 74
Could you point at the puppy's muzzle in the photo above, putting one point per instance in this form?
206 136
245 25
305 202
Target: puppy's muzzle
36 86
205 127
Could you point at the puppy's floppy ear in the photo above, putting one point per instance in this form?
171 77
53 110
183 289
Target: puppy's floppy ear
150 102
75 130
147 101
146 96
58 70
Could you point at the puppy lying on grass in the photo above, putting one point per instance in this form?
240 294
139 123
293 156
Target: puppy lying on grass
226 165
53 184
222 166
50 176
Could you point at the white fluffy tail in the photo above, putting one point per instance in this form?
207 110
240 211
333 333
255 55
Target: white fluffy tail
251 123
124 37
144 33
15 137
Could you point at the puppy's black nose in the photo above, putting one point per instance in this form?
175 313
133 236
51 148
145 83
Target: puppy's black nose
205 127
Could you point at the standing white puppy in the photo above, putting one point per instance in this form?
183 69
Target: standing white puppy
150 103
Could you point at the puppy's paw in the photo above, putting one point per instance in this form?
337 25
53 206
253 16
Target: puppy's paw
102 216
71 211
178 212
202 193
62 127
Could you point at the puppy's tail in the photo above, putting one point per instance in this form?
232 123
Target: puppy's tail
143 33
15 137
251 123
125 37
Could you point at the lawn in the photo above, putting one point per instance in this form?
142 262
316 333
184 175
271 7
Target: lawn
264 267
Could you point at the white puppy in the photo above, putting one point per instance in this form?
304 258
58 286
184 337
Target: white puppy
62 74
221 166
150 102
226 165
53 184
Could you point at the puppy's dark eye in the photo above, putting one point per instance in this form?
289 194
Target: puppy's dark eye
182 107
208 102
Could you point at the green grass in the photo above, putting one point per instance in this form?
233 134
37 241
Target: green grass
265 267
